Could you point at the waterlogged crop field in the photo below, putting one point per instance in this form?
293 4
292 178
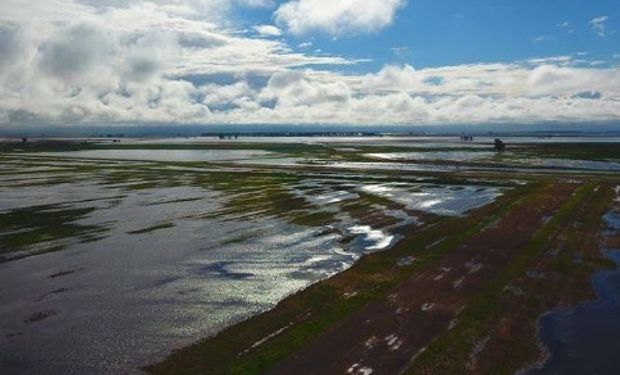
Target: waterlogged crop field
262 256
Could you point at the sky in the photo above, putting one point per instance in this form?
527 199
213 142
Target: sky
345 62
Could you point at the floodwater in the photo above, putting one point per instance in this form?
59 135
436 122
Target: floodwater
585 339
493 158
435 155
547 166
446 200
163 265
413 141
161 155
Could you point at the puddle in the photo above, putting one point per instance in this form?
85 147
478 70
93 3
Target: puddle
371 239
436 199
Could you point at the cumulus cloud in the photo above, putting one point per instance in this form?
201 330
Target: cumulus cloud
134 61
393 78
481 93
75 51
223 97
129 60
292 89
10 46
337 17
550 80
268 30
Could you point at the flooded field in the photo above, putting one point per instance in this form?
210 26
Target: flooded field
112 256
435 155
490 160
108 265
413 141
163 155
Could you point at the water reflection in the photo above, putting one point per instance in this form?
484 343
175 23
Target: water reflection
180 257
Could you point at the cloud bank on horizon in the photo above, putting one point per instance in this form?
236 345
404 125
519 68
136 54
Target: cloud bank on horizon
304 61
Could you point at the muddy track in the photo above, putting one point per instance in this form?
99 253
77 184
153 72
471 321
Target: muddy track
384 336
558 277
552 271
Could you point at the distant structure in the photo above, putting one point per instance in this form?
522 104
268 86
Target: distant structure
467 138
24 140
499 145
114 136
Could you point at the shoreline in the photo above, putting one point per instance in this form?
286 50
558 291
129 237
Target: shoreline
303 325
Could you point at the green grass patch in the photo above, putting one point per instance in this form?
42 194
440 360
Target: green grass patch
152 228
39 228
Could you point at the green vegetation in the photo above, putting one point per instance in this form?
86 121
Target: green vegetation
152 229
41 229
583 151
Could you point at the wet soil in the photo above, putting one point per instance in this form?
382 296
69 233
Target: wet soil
385 335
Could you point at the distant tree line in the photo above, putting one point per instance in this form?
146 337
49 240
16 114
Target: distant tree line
291 134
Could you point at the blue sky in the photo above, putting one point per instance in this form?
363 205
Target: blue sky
502 30
403 62
433 33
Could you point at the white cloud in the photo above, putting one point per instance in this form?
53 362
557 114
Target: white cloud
392 78
293 89
337 17
178 62
123 61
599 25
268 30
551 80
226 96
480 93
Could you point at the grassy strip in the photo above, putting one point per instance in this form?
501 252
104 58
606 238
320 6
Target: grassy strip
568 274
311 312
152 229
24 228
64 146
449 353
583 151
